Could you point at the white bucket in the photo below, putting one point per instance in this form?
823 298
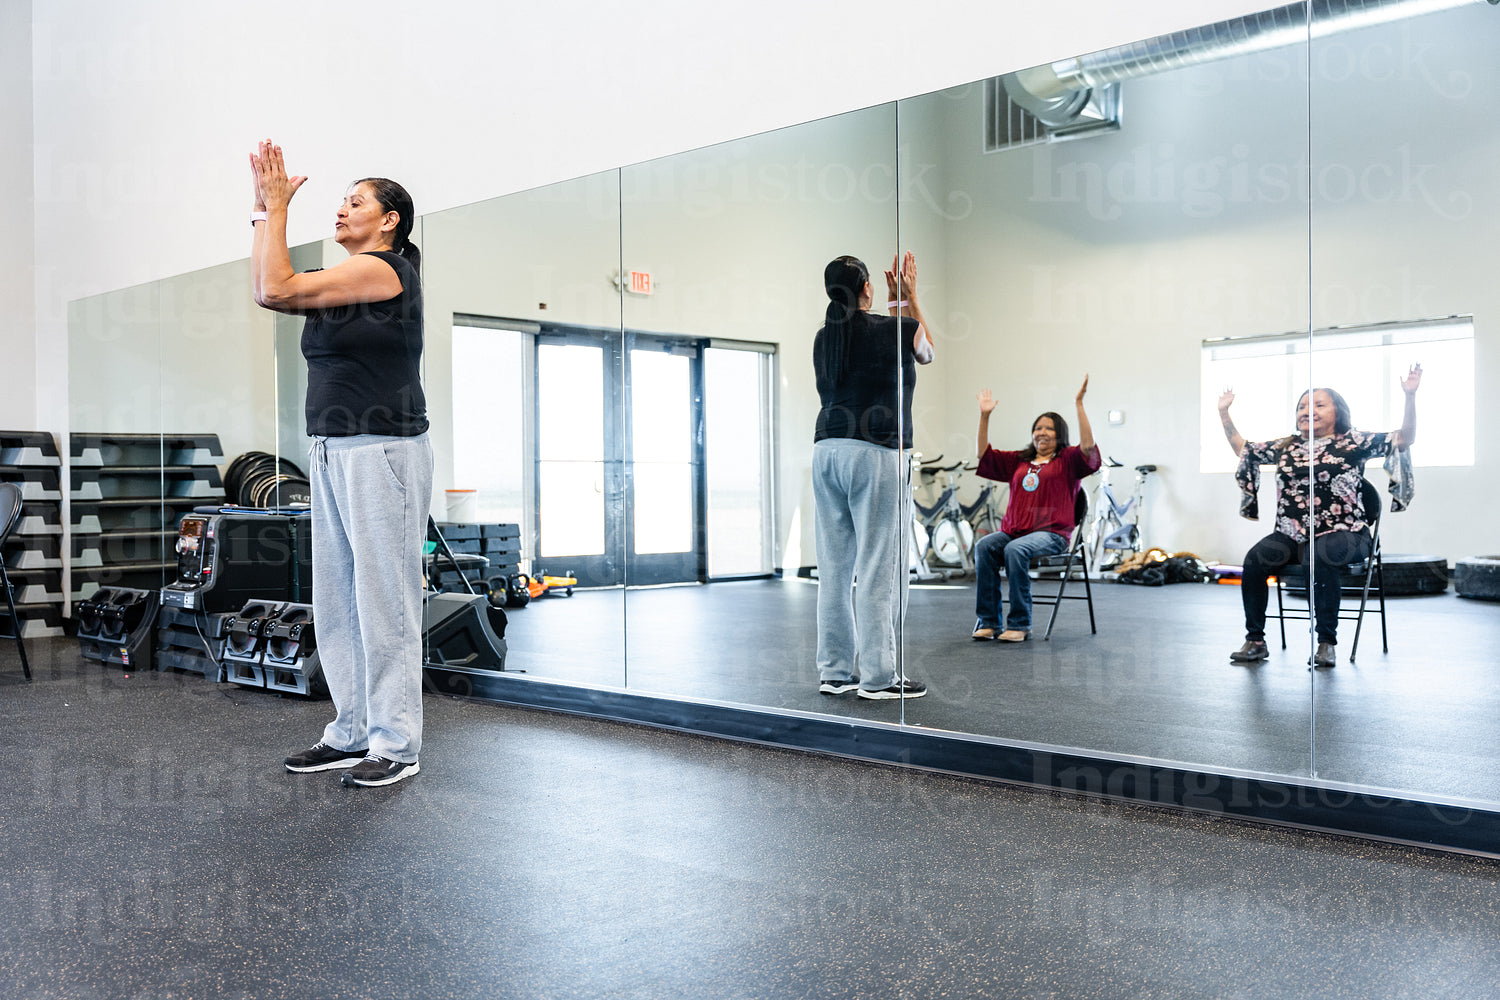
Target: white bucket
463 506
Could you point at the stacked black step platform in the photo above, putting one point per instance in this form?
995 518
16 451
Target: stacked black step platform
128 493
33 553
499 543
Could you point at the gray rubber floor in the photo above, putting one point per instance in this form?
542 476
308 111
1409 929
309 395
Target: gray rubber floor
1154 682
155 848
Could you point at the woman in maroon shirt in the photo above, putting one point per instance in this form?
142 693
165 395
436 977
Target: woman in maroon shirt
1044 479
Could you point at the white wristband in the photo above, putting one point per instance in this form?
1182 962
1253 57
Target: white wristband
257 217
897 305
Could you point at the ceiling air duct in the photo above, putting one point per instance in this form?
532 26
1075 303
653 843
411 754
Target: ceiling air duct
1059 94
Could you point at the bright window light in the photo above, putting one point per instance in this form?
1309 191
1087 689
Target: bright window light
1363 364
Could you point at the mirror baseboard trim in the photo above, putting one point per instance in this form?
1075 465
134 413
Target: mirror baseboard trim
1449 824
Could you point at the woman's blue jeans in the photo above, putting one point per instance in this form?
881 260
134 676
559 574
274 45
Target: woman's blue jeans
1016 554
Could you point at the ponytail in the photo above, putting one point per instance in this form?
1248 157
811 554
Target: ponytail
844 280
411 253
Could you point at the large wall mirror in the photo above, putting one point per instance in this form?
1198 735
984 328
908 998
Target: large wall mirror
1158 216
524 382
1210 224
1404 208
1106 239
168 382
723 402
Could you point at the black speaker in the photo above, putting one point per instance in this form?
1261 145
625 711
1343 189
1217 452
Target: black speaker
463 630
224 560
115 625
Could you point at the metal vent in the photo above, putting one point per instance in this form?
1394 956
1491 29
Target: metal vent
1008 125
1073 96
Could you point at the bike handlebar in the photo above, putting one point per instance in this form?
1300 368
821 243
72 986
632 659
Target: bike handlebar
1114 463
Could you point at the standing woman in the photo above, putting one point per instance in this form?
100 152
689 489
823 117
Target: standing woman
1330 502
371 466
866 371
1044 480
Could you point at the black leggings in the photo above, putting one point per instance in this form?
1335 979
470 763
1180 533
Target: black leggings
1274 553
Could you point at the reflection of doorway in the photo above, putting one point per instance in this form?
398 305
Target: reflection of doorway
647 467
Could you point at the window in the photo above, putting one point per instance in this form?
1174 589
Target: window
1364 364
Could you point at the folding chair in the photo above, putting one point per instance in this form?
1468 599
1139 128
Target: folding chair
1369 572
10 516
1076 553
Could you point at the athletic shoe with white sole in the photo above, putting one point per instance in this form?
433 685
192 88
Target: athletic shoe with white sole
322 757
838 687
374 771
901 689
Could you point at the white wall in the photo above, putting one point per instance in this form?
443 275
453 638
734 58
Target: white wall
17 301
144 112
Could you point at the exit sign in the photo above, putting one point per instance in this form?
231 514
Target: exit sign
640 282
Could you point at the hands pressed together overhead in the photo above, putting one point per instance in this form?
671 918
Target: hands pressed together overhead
272 188
901 279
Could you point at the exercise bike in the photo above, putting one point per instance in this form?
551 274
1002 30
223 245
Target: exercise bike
941 532
1116 526
985 513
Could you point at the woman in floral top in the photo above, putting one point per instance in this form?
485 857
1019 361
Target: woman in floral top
1326 444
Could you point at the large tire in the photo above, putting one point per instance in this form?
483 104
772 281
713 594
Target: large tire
1478 577
1405 576
1408 576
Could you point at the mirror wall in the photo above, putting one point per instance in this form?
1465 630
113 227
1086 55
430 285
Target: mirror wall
1403 208
168 381
621 365
524 382
1114 255
723 399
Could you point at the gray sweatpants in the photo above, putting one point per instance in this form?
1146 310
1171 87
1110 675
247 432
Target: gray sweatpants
370 498
863 505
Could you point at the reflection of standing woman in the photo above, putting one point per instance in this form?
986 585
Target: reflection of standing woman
1326 444
866 371
371 466
1044 482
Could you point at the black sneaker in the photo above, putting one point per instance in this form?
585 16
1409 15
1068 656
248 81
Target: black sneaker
322 757
1251 652
375 770
838 687
901 689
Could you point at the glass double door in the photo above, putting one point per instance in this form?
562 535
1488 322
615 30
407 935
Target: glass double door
621 490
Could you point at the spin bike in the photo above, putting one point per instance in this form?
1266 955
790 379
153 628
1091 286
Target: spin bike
941 532
985 513
1109 530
